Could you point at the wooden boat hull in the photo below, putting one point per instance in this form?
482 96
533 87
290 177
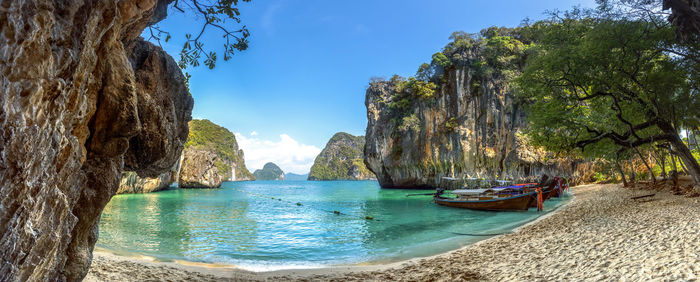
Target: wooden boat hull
516 203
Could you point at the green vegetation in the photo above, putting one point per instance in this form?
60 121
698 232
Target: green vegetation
220 15
204 134
270 171
617 85
342 158
410 123
451 124
493 54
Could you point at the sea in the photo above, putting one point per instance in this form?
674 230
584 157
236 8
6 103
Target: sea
273 225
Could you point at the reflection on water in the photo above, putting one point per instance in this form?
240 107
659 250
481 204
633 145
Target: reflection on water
256 232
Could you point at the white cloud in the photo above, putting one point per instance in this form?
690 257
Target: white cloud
287 153
254 133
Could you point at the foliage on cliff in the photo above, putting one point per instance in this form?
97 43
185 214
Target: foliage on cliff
494 53
458 117
341 159
270 171
206 135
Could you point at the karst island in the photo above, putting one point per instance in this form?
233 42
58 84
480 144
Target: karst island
249 140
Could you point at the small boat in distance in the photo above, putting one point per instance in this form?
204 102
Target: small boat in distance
488 199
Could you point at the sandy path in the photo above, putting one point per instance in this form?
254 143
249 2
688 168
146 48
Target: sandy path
601 235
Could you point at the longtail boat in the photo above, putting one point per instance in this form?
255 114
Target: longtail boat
487 199
556 188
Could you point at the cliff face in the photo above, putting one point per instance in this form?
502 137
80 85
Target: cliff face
131 183
468 126
341 159
78 104
199 170
270 171
205 135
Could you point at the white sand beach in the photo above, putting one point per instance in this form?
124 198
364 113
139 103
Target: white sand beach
601 234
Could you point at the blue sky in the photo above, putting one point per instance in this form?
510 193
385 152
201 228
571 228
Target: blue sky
304 75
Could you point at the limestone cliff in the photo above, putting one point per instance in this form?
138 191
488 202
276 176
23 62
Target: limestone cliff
341 159
131 183
270 171
199 169
207 135
81 97
460 118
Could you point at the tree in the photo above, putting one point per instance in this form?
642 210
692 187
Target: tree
217 15
594 79
686 16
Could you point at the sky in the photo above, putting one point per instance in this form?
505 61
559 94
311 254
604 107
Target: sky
303 77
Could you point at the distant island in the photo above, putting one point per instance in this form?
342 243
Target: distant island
341 159
270 171
294 176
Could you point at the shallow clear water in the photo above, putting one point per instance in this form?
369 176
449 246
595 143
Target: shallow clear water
240 224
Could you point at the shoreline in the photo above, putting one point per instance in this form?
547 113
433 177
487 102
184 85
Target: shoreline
572 236
361 266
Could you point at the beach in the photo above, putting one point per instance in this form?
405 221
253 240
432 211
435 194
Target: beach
601 234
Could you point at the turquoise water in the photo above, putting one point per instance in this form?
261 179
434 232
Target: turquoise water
240 224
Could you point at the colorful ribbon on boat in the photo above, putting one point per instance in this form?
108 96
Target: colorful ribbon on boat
539 199
561 190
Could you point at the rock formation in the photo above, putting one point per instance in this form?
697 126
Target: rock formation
82 97
341 159
211 156
206 135
132 183
199 170
270 171
460 119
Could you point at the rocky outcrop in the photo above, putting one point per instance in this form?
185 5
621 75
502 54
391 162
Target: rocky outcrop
82 97
208 136
341 159
468 126
132 183
270 171
199 170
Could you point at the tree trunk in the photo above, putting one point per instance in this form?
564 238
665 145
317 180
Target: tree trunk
633 174
651 172
622 172
663 164
685 169
683 152
673 159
